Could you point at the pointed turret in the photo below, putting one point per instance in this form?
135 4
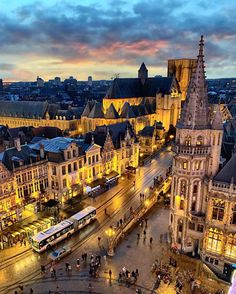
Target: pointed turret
195 113
143 73
217 120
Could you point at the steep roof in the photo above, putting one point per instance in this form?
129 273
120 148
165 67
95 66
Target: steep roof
55 145
27 109
111 112
133 87
227 173
195 113
147 131
127 111
88 108
96 111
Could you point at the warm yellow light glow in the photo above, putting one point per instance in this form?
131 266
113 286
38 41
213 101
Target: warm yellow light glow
171 136
141 154
163 140
146 202
146 190
110 232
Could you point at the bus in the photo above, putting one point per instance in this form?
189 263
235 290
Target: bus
46 239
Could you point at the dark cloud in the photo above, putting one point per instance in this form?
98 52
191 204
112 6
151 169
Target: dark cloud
152 31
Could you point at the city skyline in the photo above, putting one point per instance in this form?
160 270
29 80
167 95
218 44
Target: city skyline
64 39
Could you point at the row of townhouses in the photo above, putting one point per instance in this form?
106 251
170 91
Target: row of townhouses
61 168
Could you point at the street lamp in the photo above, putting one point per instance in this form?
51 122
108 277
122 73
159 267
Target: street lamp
110 233
146 202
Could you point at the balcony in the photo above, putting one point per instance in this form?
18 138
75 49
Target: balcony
192 150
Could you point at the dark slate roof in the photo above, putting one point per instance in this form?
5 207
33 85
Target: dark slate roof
96 111
127 111
228 173
12 156
98 137
147 131
111 112
133 87
88 108
47 132
28 109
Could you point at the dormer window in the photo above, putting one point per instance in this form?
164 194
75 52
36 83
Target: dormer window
188 141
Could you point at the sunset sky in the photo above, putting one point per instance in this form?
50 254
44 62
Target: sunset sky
100 38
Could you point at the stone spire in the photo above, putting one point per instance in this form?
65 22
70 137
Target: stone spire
195 112
143 73
217 120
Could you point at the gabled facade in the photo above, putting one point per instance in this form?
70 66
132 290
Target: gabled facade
142 101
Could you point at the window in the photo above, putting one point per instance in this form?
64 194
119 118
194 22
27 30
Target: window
230 248
193 205
29 174
93 159
214 240
64 183
54 170
185 165
197 165
18 179
233 215
195 188
181 206
94 172
187 141
69 168
218 210
200 228
80 163
89 160
35 172
183 188
199 141
74 153
63 170
191 226
68 155
97 158
24 178
75 166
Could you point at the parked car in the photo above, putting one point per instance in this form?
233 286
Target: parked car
59 253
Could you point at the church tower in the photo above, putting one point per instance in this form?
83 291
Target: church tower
143 73
197 147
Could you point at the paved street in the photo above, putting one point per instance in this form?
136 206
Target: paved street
118 200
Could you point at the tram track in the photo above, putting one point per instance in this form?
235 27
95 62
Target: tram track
126 192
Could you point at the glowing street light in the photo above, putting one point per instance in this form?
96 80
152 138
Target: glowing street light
110 233
147 202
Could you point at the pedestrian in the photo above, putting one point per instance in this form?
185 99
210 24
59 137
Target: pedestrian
43 269
146 221
138 236
110 273
78 263
121 221
31 291
15 292
136 272
144 233
151 241
105 211
24 242
99 239
67 266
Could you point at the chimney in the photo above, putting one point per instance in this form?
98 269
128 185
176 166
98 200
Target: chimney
17 144
41 151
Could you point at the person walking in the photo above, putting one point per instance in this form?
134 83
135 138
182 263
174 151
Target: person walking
78 263
110 273
31 291
138 236
144 233
151 241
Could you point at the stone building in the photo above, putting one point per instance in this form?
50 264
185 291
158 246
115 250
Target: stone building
38 114
182 69
198 146
142 101
219 247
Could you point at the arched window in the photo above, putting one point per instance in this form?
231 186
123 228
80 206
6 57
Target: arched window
188 141
183 187
199 141
218 210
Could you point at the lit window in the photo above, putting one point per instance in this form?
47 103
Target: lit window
218 210
214 240
199 140
187 141
185 165
233 216
230 249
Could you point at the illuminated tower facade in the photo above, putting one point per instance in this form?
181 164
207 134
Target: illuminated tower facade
197 157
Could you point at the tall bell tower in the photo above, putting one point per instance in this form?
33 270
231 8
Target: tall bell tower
197 147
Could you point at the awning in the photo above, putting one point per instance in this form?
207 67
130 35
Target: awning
113 175
96 183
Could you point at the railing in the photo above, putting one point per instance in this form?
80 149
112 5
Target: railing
192 150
